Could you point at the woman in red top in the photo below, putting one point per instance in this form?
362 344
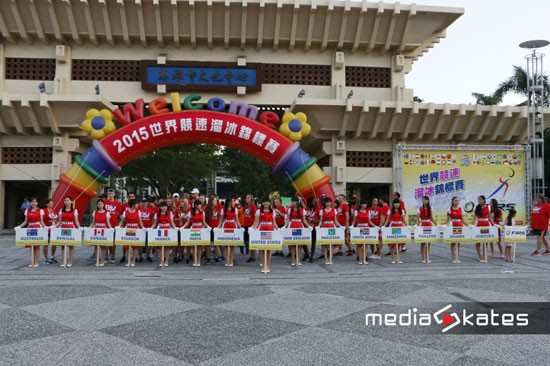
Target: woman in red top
181 218
375 220
34 218
164 219
131 219
50 220
313 210
455 219
540 216
197 220
327 219
68 219
361 219
249 210
296 218
213 218
396 218
425 218
482 218
497 217
229 220
265 221
101 219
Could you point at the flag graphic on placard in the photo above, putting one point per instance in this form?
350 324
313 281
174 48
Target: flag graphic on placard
99 232
32 232
396 230
331 231
484 231
296 232
161 232
364 231
427 230
130 233
265 235
457 230
66 232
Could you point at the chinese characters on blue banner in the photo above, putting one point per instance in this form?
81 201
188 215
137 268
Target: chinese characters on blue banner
188 77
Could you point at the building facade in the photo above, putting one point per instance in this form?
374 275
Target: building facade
342 63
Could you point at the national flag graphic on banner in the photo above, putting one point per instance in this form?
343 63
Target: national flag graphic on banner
364 231
457 230
266 235
484 231
296 232
130 233
66 232
99 232
396 230
162 232
32 232
427 230
332 232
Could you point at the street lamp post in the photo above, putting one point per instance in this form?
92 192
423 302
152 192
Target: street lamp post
535 121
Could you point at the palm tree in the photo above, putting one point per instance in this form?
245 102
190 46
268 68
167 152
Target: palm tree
485 99
517 83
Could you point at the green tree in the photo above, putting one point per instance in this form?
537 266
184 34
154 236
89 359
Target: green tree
517 83
485 99
169 169
253 175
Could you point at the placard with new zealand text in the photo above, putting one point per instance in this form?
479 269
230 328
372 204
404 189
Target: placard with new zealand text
296 236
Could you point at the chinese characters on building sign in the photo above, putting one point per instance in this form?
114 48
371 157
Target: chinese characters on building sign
189 76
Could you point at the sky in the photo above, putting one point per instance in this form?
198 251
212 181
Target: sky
480 49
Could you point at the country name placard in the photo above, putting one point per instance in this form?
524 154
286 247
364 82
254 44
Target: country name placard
98 236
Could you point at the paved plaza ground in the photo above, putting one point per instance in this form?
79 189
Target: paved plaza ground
213 315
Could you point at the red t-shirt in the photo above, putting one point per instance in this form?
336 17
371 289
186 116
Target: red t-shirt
362 218
100 218
249 213
115 210
197 219
341 215
265 221
164 221
327 217
375 215
280 213
147 214
215 216
455 215
33 217
50 217
132 218
540 214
